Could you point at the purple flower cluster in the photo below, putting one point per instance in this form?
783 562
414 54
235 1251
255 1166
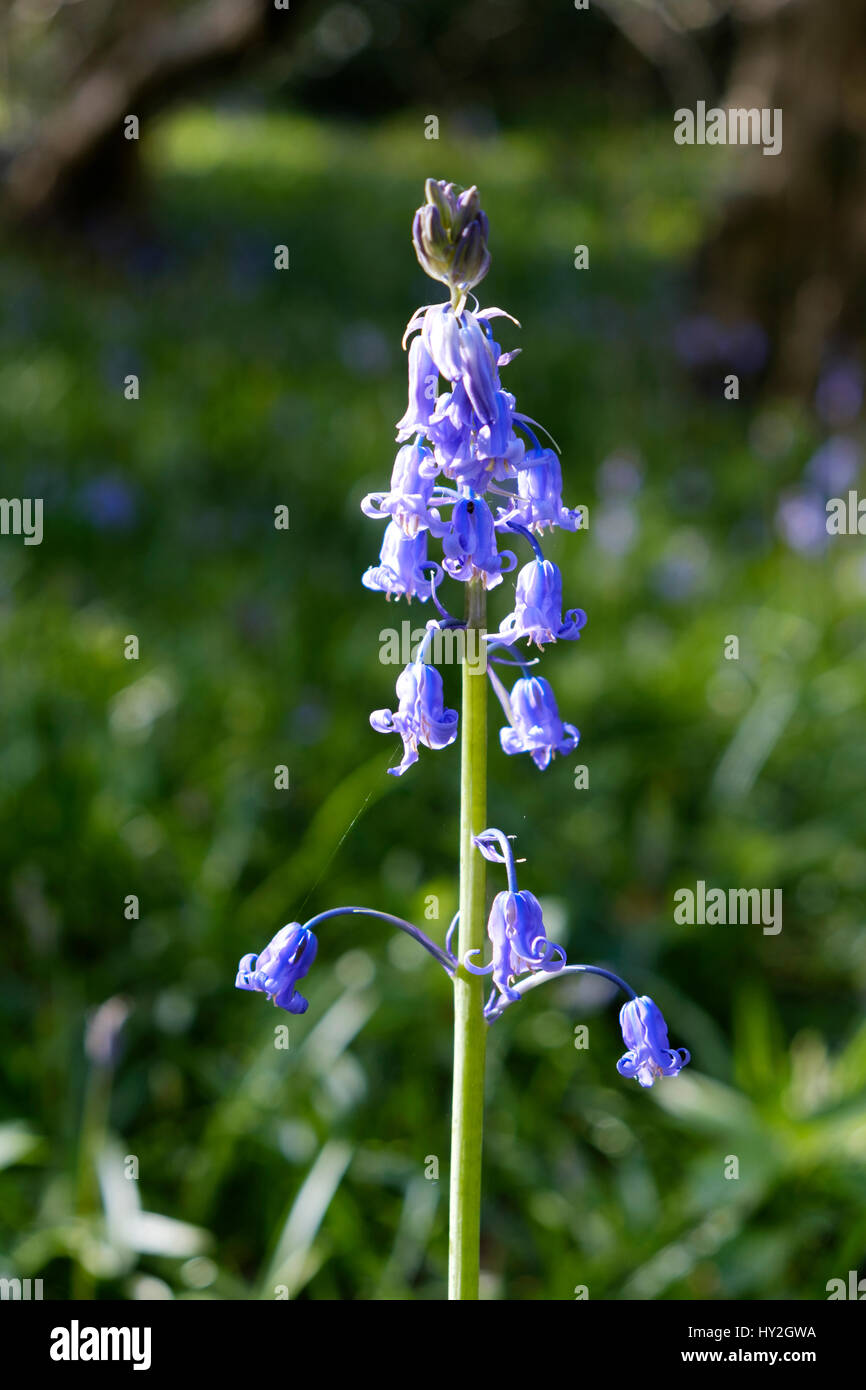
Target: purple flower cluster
523 957
469 472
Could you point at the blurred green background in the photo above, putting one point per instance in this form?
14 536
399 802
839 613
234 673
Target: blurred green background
305 1168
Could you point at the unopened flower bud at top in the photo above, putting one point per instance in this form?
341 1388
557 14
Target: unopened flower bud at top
450 235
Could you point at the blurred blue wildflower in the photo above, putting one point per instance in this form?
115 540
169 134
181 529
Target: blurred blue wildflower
801 517
705 341
839 393
109 503
615 527
620 475
834 466
364 349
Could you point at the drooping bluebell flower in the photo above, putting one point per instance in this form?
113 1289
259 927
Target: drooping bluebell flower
536 727
420 717
440 332
645 1035
401 567
538 607
461 350
277 969
496 439
423 391
480 374
469 453
519 938
539 495
470 544
449 430
515 928
413 479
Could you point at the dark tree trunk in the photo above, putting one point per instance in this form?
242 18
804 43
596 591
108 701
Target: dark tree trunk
790 247
79 163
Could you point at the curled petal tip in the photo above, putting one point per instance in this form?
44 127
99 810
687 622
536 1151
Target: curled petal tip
476 969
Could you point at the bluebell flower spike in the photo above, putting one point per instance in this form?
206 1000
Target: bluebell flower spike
457 444
462 444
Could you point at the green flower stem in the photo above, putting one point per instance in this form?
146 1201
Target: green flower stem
470 1029
91 1141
